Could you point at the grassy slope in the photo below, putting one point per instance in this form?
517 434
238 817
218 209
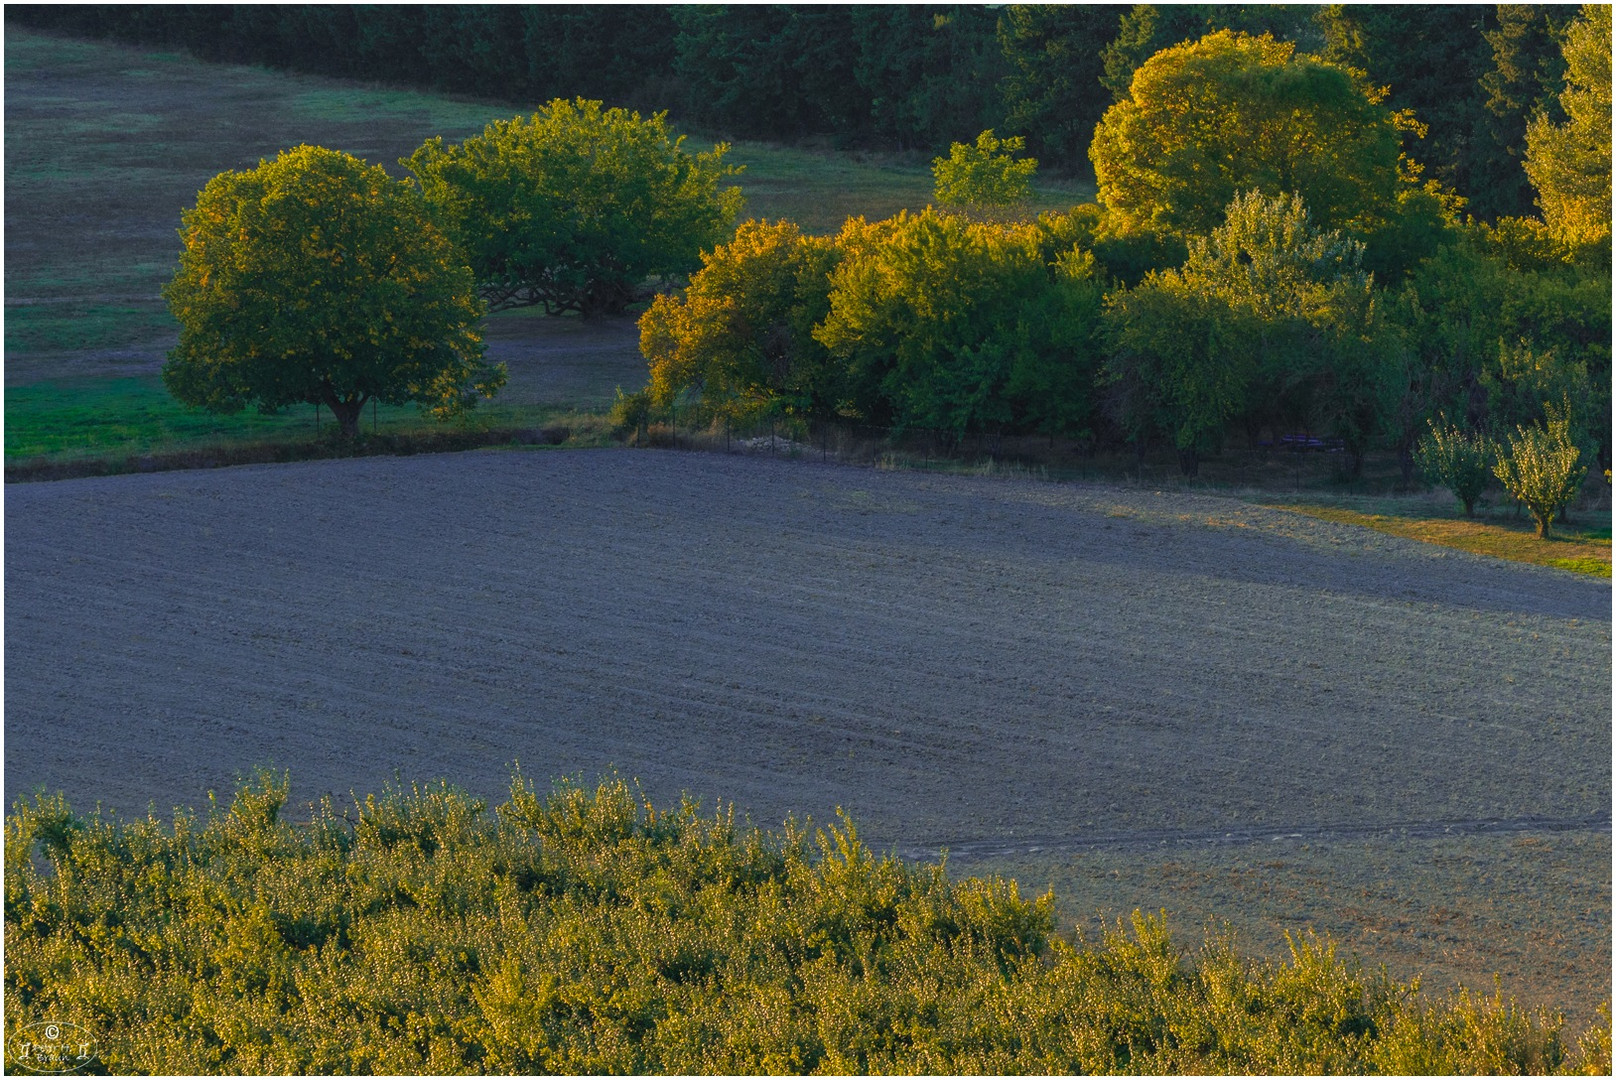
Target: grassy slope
106 144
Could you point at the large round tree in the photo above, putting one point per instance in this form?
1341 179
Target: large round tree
316 278
573 208
1228 114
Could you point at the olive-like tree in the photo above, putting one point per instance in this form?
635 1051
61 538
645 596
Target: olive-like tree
574 208
316 278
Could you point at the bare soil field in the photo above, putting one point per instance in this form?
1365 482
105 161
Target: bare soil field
1137 698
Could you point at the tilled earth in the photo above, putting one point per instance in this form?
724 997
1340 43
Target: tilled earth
1060 681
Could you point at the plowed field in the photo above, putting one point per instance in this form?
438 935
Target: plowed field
1016 670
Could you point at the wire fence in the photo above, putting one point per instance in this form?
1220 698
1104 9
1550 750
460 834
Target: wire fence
1289 459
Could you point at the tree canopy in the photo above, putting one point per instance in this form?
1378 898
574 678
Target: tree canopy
742 333
1271 320
984 175
1570 163
573 208
961 325
1230 113
314 278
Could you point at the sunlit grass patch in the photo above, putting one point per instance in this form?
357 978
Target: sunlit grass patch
1575 547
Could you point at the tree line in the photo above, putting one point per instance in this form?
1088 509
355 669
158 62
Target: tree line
1265 257
913 76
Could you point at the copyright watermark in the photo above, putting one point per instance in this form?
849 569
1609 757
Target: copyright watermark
51 1047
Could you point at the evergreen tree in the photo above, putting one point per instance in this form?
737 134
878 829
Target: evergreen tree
1053 94
1147 29
1526 77
1431 57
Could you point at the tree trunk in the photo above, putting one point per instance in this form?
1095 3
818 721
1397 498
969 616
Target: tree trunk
346 411
1189 462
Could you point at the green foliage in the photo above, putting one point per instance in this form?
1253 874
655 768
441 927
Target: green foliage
588 932
1460 462
631 412
1270 319
927 72
1520 379
314 278
742 334
1146 29
953 324
1430 59
1569 163
1524 80
1471 309
573 208
1230 113
1052 93
1541 467
983 177
904 75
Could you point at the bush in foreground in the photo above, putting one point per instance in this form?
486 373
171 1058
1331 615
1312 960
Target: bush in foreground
1458 461
589 932
1541 468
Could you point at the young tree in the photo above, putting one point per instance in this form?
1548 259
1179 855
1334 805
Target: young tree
1460 462
1541 467
315 278
984 176
742 333
575 207
1570 163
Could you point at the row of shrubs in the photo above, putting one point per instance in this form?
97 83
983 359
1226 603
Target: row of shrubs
586 931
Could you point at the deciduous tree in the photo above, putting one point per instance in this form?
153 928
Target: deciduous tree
742 333
1570 163
1457 460
1231 113
952 324
986 175
573 208
1270 319
1541 467
315 278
